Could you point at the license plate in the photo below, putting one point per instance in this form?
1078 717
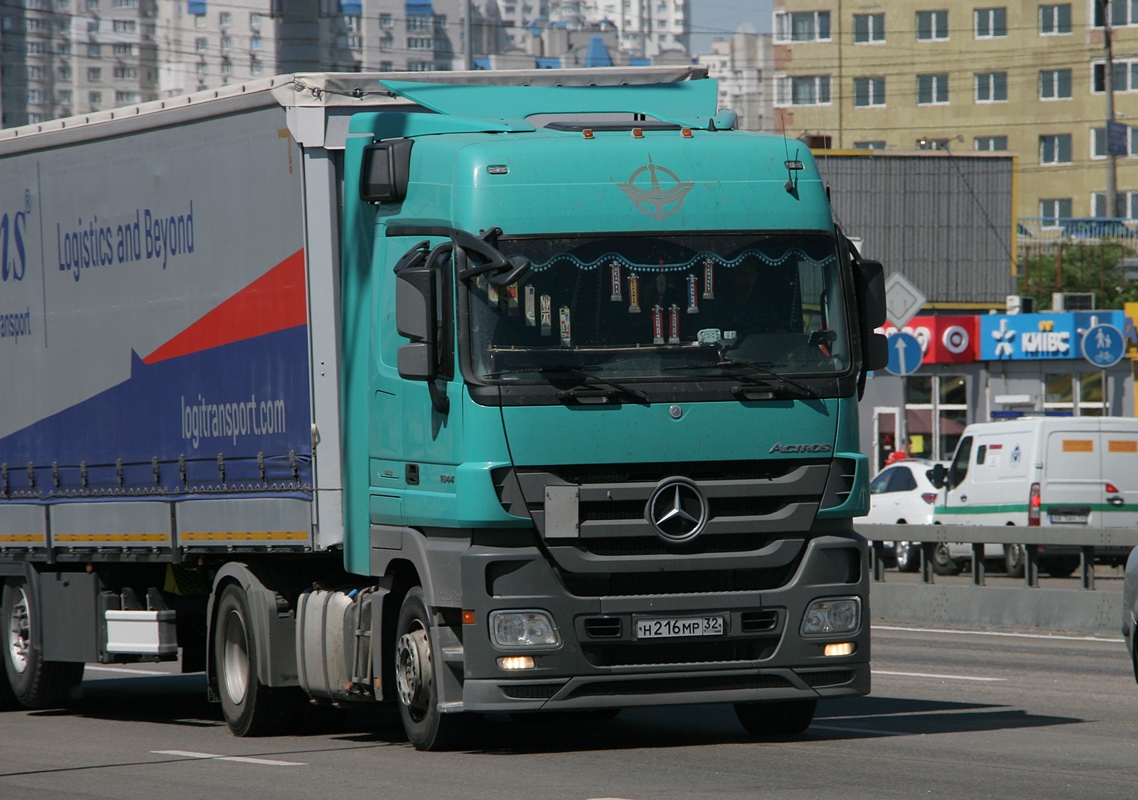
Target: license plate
1068 519
679 626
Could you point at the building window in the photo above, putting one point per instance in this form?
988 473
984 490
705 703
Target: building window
256 67
421 22
876 144
869 92
1128 201
420 43
386 66
200 44
991 23
35 96
125 26
991 87
94 98
386 22
1052 212
200 69
126 73
123 49
387 43
1055 149
226 42
932 26
225 19
868 29
1123 78
1098 142
65 73
932 89
226 67
92 5
122 98
1055 20
1122 13
94 50
199 20
1061 390
256 43
63 97
803 90
94 74
1055 84
802 26
254 21
421 66
939 398
991 143
63 49
355 42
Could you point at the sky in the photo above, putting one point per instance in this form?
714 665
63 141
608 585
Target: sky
719 18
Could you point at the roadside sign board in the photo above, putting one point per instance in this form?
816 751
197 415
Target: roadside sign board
902 299
1103 346
904 353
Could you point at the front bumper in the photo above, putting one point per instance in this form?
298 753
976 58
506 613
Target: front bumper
601 664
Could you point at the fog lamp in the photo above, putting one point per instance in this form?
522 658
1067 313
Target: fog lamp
523 629
515 662
835 615
839 649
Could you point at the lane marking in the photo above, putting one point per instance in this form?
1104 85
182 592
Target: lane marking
870 731
1054 636
240 759
128 670
938 677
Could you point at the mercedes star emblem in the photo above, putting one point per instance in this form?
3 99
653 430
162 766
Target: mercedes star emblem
677 510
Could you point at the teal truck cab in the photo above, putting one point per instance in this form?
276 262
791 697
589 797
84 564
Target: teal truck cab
609 380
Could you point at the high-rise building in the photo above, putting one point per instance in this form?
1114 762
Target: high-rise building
1030 78
742 65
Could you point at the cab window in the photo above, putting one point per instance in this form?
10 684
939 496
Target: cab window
959 468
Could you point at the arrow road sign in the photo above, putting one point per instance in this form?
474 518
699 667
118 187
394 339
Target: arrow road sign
904 353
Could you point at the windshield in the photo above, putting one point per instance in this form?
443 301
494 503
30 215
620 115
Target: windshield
680 307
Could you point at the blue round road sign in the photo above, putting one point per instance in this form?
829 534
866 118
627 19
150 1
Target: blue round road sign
1103 346
904 354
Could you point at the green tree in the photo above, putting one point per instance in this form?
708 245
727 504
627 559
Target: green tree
1077 267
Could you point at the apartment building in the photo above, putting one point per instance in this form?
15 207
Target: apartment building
742 65
1026 77
61 57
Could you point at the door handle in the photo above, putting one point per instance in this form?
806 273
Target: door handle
1116 500
964 498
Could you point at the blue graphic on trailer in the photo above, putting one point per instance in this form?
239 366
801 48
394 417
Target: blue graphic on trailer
904 353
1103 346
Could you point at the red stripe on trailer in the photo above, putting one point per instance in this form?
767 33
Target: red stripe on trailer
273 302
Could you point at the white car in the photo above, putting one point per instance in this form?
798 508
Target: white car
902 494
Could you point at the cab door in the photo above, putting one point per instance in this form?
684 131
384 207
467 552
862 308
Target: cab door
957 507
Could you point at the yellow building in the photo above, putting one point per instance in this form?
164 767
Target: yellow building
1027 77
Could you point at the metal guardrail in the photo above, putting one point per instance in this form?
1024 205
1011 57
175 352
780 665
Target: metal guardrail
1086 539
1054 230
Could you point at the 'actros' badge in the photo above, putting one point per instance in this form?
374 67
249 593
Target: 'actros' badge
779 447
677 510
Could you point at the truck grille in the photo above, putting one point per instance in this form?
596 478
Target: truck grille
709 683
636 654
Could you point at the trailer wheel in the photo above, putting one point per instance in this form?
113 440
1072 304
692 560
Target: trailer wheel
415 680
943 562
250 707
908 556
781 718
31 681
1015 559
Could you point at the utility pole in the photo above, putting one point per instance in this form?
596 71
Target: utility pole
1108 88
468 36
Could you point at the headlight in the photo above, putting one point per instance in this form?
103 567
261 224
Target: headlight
523 629
836 615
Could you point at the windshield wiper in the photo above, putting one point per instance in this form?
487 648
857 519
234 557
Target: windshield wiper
780 381
581 372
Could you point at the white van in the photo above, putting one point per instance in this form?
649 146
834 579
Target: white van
1044 471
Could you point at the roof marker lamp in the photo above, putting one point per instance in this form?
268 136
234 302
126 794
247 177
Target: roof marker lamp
509 629
832 616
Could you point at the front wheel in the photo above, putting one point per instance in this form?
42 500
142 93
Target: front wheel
416 680
31 681
780 718
250 707
908 556
943 562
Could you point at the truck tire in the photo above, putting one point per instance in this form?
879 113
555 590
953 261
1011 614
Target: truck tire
1060 566
250 707
416 688
31 681
780 718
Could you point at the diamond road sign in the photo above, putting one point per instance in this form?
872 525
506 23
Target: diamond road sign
902 299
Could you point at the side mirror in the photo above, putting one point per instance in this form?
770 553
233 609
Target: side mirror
937 476
415 319
870 277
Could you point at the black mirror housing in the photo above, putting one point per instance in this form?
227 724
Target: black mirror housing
415 301
385 171
937 476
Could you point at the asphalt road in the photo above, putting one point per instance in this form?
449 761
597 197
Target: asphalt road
952 714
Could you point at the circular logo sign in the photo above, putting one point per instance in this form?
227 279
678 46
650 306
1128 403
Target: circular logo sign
677 510
955 339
